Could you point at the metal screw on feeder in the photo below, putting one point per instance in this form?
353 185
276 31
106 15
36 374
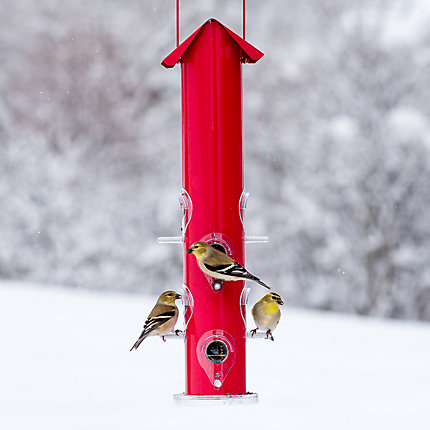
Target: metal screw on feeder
213 201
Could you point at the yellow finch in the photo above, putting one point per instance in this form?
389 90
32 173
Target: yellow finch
266 313
162 318
219 265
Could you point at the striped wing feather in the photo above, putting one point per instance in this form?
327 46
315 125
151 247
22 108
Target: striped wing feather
234 269
155 321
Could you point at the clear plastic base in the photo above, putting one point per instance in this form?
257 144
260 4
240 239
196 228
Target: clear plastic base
228 399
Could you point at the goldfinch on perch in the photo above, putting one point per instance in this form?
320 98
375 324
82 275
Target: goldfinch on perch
162 318
266 314
219 265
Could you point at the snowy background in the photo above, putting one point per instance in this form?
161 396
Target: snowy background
337 147
337 161
65 364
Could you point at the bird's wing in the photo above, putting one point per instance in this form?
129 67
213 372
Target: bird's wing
157 317
222 264
234 269
160 315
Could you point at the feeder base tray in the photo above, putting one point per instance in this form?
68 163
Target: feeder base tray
227 399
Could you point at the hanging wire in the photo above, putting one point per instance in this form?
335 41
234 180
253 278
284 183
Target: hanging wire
177 20
243 19
177 23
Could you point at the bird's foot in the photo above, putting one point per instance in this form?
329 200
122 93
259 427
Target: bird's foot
162 337
177 332
269 333
253 332
217 284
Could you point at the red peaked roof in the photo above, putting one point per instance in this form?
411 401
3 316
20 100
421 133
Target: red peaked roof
251 54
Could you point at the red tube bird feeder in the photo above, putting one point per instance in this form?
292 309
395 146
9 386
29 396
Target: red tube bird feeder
213 201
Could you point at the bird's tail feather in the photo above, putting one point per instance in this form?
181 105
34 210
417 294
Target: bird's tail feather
262 283
252 277
138 342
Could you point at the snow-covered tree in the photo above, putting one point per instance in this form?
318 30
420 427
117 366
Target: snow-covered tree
337 147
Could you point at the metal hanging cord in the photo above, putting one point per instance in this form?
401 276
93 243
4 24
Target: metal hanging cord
178 20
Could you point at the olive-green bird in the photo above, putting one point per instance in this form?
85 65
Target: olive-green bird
162 318
219 265
266 314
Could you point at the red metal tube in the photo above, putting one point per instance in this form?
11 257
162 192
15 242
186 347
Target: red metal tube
212 180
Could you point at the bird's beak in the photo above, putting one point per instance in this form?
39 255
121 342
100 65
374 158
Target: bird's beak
178 296
280 302
189 250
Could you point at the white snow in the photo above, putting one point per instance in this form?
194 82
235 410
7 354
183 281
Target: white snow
65 364
343 128
409 123
405 22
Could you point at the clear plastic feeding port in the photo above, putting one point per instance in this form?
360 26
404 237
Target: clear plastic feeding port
188 303
223 243
216 353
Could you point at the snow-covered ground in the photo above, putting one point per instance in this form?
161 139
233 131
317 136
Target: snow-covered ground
65 364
